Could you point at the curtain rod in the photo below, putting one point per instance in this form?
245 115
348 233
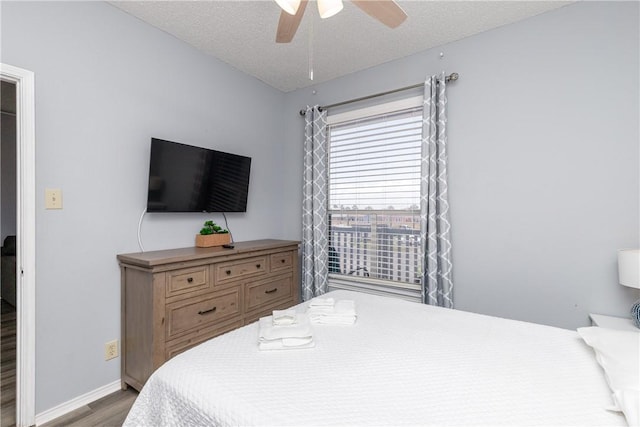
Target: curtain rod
450 78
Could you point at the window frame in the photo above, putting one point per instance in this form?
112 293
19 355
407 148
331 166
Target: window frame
404 290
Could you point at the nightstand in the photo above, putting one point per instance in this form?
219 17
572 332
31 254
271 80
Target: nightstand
611 322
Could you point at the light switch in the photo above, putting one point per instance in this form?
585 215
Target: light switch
53 198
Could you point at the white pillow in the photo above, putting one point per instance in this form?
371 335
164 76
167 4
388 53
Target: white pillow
618 352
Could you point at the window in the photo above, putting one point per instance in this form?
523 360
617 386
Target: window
374 202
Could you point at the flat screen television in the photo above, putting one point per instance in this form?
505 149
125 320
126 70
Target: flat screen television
185 178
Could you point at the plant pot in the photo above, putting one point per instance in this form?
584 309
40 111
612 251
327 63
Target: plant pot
209 240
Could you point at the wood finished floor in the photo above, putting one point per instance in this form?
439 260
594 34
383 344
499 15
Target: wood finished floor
7 364
109 411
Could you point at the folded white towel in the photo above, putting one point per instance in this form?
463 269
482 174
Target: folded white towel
322 302
284 317
342 313
345 307
300 329
287 344
334 320
283 337
341 308
320 310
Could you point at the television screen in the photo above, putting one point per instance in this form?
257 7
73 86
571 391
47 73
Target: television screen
184 178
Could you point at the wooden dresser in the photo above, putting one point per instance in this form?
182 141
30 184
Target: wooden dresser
175 299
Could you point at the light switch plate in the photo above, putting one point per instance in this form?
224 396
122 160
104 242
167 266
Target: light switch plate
53 198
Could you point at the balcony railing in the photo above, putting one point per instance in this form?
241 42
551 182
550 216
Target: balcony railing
378 252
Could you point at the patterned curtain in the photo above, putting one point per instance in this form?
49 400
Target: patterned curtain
435 228
314 205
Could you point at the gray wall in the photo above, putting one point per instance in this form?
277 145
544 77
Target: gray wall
105 84
544 159
543 176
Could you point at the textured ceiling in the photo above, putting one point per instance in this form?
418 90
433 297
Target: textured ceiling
242 33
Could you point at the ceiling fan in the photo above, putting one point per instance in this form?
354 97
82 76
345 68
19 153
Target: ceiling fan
386 11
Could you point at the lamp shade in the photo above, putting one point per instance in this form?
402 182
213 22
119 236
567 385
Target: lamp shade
629 267
289 6
328 8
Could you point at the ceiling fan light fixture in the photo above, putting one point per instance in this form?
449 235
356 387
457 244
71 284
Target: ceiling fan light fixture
328 8
289 6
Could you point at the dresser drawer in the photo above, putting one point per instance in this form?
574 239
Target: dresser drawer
227 271
281 261
187 280
178 346
193 313
266 291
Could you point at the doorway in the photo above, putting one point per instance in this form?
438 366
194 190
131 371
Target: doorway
8 214
22 82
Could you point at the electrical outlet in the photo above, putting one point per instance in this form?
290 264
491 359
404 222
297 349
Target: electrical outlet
111 350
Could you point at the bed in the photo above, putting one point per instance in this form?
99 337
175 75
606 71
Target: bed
401 363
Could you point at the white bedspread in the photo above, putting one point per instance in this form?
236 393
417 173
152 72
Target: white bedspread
401 363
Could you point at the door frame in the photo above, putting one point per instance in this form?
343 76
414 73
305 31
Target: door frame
25 241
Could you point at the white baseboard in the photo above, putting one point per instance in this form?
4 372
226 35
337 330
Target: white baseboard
73 404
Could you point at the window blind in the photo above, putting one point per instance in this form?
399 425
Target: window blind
375 163
374 197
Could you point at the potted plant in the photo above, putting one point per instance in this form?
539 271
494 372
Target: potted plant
212 235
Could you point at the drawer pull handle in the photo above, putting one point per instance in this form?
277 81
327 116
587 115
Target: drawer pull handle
282 261
257 265
211 310
271 291
189 279
228 272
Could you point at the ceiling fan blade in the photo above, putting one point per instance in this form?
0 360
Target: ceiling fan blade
288 24
386 11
